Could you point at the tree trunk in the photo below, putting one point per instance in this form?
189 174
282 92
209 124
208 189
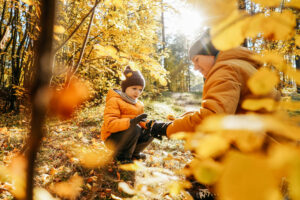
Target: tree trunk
44 59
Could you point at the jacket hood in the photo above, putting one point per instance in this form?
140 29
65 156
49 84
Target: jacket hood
240 53
113 93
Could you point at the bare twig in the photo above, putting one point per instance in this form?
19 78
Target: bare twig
79 25
75 68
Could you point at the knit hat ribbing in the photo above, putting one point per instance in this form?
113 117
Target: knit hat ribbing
203 46
132 78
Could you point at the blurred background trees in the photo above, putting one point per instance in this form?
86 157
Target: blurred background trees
120 33
127 33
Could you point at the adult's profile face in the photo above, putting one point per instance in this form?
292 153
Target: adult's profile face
203 63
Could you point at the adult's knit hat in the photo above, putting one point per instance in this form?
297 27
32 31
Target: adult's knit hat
203 46
132 78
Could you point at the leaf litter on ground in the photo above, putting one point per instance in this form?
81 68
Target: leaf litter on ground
57 163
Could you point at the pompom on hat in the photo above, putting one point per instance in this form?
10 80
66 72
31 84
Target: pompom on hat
203 46
132 78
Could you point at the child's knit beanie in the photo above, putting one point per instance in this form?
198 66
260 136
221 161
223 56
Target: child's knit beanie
203 46
132 78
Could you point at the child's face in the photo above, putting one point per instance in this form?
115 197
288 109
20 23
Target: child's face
134 91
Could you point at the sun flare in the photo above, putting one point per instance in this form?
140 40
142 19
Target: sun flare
187 20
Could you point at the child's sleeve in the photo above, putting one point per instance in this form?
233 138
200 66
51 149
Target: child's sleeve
112 117
143 123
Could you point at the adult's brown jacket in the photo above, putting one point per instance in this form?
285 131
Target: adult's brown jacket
117 114
224 90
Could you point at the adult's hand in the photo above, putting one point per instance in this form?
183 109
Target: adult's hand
158 129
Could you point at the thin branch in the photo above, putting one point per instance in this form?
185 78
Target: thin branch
75 30
75 68
72 57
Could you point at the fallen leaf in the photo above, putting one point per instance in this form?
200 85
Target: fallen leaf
247 177
69 189
124 187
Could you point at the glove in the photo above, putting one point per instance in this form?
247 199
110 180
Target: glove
158 129
138 119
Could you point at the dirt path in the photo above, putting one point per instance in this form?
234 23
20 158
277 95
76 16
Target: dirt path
189 101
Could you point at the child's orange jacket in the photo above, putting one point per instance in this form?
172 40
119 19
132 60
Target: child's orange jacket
117 114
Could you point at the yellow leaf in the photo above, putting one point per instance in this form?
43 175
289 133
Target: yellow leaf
118 3
247 177
38 28
229 33
281 158
116 197
272 57
206 171
124 55
42 194
80 134
263 81
111 50
126 188
28 2
258 104
53 171
132 167
211 146
59 29
69 189
268 3
106 51
17 170
176 187
163 81
245 141
107 3
276 26
74 160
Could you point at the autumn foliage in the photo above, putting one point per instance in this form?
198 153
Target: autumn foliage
249 156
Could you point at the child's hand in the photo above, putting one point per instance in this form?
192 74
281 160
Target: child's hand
137 119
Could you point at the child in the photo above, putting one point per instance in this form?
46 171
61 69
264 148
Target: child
123 113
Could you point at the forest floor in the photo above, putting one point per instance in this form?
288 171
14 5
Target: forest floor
56 161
